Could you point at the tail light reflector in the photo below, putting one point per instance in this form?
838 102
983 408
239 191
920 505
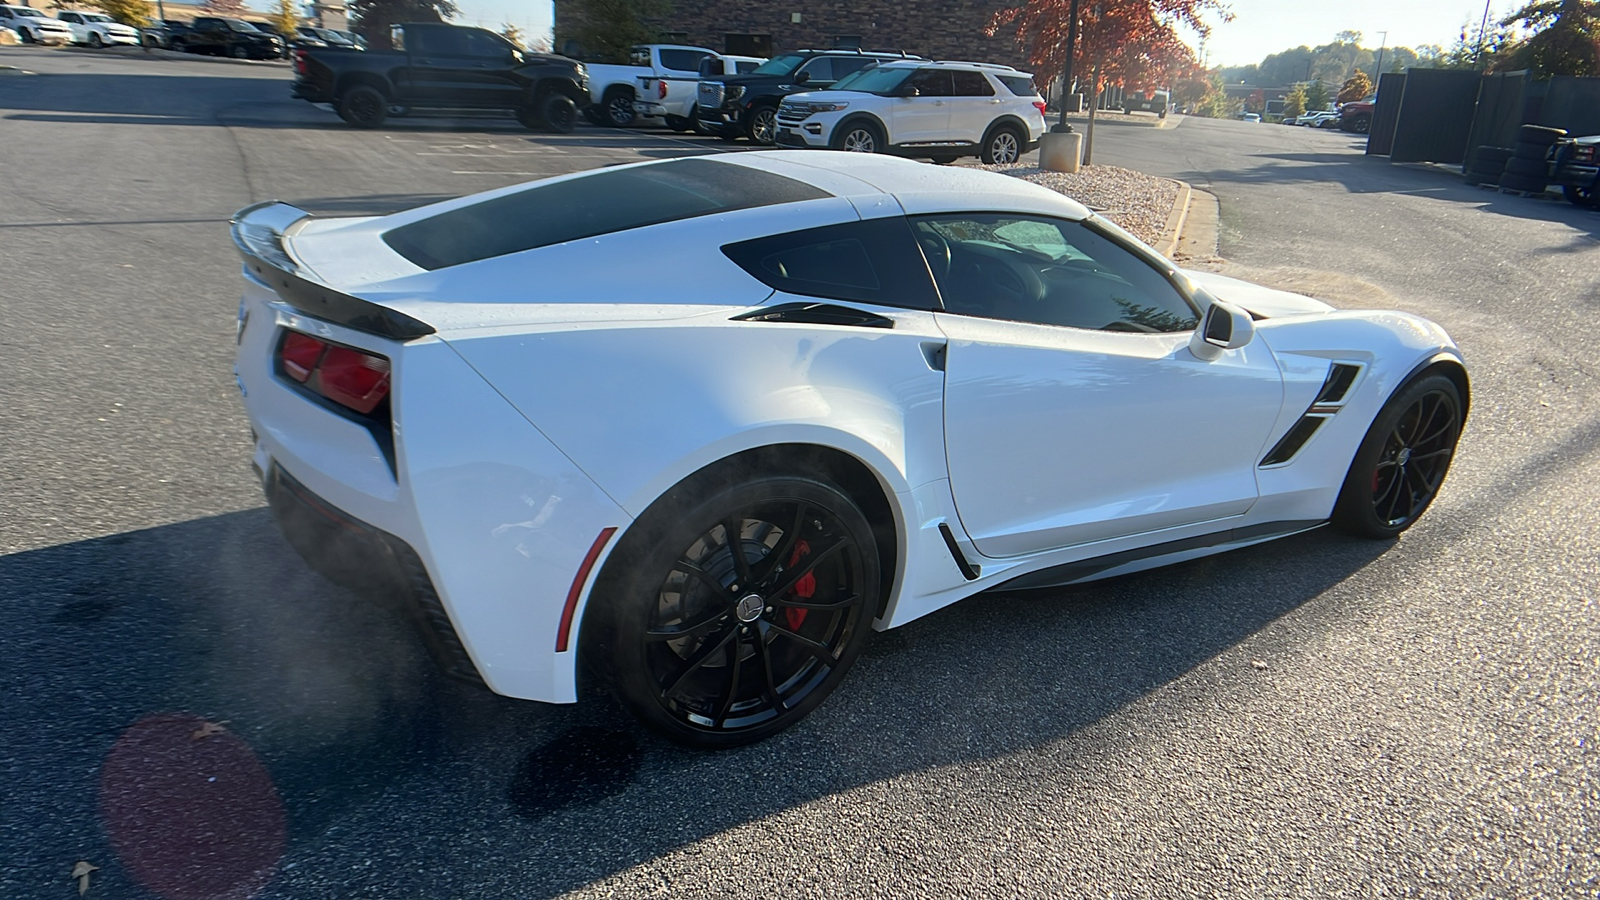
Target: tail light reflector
300 66
661 90
1041 107
349 377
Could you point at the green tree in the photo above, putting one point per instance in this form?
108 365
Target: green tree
1316 96
1355 87
128 12
285 17
606 29
373 17
1566 39
1295 103
1217 104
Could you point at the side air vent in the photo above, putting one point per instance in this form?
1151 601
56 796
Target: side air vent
1294 440
1340 377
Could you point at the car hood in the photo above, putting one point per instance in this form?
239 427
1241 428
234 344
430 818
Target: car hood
1264 302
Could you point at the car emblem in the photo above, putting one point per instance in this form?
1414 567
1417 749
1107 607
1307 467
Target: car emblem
1405 456
750 607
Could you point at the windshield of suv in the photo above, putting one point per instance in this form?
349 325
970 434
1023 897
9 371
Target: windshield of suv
872 81
22 12
237 25
96 17
780 65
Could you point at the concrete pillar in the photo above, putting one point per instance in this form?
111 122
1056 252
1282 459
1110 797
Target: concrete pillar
1061 151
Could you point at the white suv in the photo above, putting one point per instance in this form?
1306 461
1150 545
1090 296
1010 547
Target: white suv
937 110
33 26
98 29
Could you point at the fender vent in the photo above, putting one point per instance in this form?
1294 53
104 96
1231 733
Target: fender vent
1294 440
1340 377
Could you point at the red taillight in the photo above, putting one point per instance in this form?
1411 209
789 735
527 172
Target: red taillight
299 353
1040 106
661 90
1583 153
300 66
349 377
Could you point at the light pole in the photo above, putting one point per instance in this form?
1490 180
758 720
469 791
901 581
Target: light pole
1377 70
1066 71
1483 29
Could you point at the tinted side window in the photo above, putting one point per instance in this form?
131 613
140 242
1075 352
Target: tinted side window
820 69
931 82
438 42
844 65
1021 85
681 60
486 46
746 67
875 261
972 84
1048 272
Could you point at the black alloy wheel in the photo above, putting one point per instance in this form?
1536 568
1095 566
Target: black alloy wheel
1361 124
734 619
764 125
560 114
363 106
1403 460
240 51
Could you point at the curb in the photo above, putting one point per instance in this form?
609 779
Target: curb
1173 231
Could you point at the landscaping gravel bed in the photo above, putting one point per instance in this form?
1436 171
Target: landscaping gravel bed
1136 201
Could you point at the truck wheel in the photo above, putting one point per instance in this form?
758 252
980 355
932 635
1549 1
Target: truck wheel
363 106
94 40
1361 124
762 126
1579 196
618 104
560 114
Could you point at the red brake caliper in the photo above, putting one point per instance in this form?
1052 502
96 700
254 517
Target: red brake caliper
803 588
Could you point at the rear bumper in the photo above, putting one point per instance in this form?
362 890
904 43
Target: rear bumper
1574 175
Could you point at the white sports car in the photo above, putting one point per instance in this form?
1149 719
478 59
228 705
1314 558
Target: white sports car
886 387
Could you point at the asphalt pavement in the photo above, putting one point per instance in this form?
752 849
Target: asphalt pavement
1318 717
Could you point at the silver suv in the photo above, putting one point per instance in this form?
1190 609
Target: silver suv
932 110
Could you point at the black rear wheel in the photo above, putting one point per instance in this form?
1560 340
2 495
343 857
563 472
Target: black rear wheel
618 104
732 617
1402 461
363 106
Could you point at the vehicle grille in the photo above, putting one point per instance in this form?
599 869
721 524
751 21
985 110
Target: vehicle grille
710 95
790 114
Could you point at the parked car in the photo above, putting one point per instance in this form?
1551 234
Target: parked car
709 490
615 88
673 98
219 36
291 41
1356 116
1250 117
33 26
736 106
98 29
163 35
1319 119
331 38
1578 170
1136 101
423 72
934 110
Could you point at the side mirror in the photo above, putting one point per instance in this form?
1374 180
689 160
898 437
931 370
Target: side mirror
908 90
802 78
1226 327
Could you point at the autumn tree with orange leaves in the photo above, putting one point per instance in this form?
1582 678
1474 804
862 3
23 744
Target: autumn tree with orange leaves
1134 43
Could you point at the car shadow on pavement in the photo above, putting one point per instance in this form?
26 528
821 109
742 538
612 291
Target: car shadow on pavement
369 747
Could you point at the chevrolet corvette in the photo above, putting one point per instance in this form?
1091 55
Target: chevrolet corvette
885 386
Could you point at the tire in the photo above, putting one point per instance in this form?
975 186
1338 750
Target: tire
1487 154
1361 124
1402 461
94 40
1539 135
239 51
363 106
1002 147
694 120
559 113
1524 150
1525 183
617 107
944 160
761 126
26 35
1530 168
860 137
765 636
1581 197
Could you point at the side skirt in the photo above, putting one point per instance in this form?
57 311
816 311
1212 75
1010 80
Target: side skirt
1216 542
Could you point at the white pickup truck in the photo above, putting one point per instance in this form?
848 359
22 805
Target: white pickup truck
673 97
614 88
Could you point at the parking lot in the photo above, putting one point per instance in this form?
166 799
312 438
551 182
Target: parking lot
1318 717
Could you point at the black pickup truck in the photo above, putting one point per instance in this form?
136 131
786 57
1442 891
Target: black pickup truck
437 67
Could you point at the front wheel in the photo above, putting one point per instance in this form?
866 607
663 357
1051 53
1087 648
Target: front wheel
860 137
730 617
239 51
1401 463
763 125
94 40
560 114
363 106
619 108
1003 147
1578 196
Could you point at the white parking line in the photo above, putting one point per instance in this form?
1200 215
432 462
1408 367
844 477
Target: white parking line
529 174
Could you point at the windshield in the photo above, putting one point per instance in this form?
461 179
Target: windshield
237 25
333 37
780 65
23 12
872 81
95 17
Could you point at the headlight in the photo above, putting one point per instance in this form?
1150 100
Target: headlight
733 92
826 107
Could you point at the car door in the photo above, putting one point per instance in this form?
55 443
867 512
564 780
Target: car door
973 105
1074 410
925 117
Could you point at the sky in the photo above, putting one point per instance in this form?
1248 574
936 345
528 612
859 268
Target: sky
1259 27
1262 27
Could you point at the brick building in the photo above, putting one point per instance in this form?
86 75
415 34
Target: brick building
937 29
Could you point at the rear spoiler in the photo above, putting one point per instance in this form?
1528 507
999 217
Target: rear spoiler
258 232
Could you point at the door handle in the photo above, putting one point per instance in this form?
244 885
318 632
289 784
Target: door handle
938 103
